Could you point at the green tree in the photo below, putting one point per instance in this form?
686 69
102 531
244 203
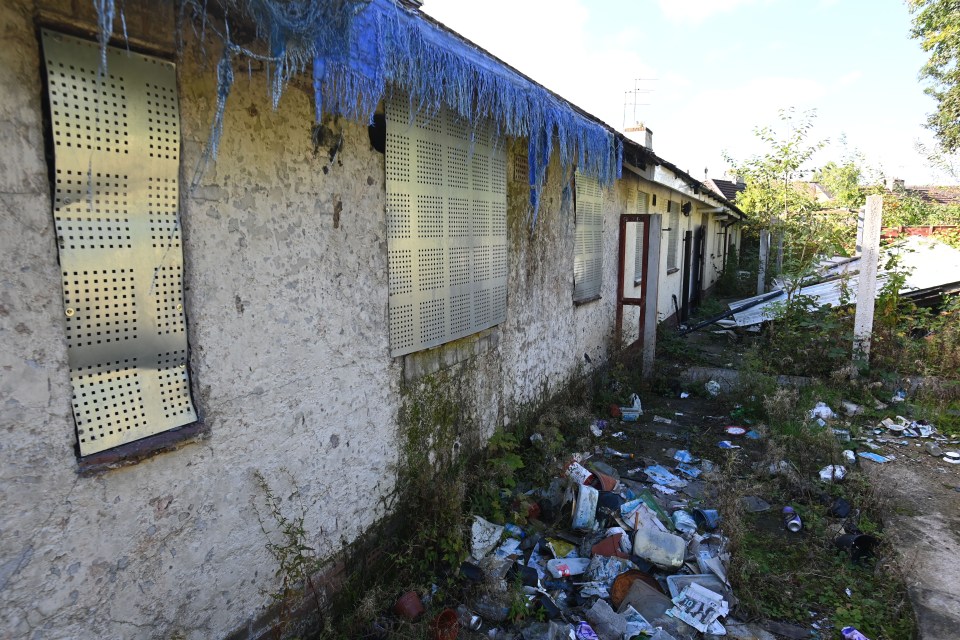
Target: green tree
936 24
842 181
769 190
773 201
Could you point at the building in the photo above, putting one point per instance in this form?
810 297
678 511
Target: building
174 325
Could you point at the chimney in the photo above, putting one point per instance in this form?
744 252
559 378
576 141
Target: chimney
895 184
640 134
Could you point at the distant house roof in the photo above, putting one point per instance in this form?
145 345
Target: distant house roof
935 195
727 188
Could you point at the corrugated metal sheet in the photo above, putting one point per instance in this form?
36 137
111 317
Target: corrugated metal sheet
929 264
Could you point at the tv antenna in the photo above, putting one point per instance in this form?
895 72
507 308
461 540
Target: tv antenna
631 98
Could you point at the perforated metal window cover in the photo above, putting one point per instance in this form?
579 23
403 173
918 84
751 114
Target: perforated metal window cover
446 229
643 208
116 137
588 243
673 236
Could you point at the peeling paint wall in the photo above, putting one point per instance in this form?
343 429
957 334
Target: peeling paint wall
286 297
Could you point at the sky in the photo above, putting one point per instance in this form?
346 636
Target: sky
712 71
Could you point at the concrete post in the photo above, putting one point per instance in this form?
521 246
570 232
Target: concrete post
764 253
652 293
867 286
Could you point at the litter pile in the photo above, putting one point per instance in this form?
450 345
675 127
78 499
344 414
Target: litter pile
889 434
637 557
635 550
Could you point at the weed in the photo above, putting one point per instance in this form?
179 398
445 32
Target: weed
287 542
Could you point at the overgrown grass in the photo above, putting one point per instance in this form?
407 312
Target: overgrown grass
804 577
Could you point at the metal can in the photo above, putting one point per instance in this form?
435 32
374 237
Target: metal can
791 520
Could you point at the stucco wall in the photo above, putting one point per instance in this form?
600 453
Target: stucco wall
286 299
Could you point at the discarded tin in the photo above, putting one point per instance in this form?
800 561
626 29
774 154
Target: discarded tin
791 520
585 508
735 431
468 620
709 519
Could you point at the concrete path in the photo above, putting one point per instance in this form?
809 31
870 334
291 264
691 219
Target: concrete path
924 524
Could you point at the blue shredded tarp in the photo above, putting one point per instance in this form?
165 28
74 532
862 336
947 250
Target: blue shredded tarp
392 48
361 51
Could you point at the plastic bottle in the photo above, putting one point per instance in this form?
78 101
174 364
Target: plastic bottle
791 520
617 454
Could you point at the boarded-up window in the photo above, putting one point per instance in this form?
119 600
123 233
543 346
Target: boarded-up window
446 228
588 248
116 137
673 236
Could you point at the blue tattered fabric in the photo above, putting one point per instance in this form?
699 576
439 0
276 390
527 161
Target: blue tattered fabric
360 50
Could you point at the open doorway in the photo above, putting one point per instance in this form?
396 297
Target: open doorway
632 273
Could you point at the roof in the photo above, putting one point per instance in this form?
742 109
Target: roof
935 195
692 182
727 188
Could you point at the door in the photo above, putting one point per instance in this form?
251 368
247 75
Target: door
632 267
696 285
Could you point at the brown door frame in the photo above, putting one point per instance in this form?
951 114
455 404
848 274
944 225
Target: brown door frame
621 270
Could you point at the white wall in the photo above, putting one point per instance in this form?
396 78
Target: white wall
286 300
